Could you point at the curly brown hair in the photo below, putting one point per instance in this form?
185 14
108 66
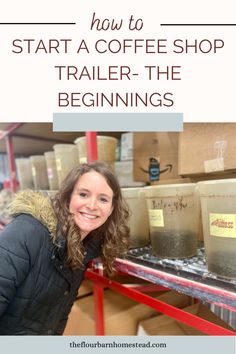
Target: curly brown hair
114 232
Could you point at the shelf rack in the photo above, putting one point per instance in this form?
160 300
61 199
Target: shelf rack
157 277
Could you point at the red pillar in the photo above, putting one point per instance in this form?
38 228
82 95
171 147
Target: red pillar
92 151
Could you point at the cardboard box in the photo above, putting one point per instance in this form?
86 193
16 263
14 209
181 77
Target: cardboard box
86 288
122 314
206 148
171 181
159 145
165 325
126 146
124 173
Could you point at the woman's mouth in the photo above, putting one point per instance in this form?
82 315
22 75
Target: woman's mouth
88 216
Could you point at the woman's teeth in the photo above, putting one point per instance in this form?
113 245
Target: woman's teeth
89 216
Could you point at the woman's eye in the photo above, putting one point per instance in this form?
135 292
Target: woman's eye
82 194
104 200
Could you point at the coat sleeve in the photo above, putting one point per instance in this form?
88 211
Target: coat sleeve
61 326
14 261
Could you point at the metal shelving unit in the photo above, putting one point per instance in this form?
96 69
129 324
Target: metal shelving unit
201 289
199 286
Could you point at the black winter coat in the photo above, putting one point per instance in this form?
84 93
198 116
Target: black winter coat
37 289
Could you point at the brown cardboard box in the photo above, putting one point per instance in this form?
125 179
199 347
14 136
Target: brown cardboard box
165 325
171 181
207 148
121 313
160 145
86 288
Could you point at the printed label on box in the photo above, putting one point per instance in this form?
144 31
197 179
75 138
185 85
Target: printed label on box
222 225
156 217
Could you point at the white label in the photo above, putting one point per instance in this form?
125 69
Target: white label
83 160
156 217
222 225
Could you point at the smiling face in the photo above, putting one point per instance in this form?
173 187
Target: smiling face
91 202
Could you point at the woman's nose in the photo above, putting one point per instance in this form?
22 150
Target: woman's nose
92 203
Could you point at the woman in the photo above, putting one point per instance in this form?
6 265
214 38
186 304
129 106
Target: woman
45 249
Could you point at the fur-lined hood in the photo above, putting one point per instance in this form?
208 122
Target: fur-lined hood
37 205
